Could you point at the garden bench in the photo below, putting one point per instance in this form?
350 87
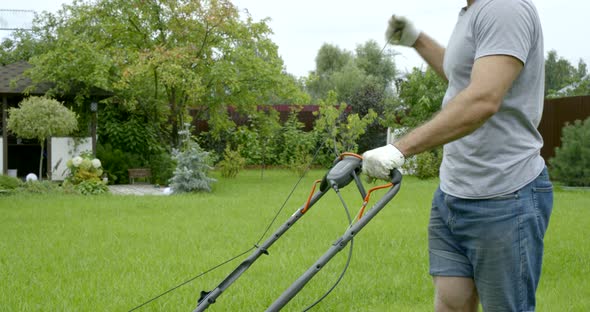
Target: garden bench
135 173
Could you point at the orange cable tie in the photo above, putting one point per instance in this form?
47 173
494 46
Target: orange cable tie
304 210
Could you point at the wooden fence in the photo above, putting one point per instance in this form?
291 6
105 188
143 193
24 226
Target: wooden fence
556 114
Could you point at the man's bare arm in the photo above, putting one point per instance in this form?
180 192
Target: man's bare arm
491 78
432 52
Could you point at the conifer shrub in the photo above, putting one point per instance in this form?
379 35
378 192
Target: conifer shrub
571 164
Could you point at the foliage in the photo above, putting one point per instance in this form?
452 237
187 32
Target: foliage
563 79
18 48
83 168
116 162
346 73
331 59
571 164
129 130
292 140
337 131
232 163
9 183
40 118
362 79
426 165
162 57
259 139
86 175
162 167
192 167
370 97
420 97
136 140
301 162
376 61
43 187
91 187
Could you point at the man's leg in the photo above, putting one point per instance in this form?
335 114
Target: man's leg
451 270
455 294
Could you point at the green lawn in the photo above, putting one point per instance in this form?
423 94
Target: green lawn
111 253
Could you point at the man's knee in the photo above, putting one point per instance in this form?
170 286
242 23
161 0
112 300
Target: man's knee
455 294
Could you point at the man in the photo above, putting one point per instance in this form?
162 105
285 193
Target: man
491 211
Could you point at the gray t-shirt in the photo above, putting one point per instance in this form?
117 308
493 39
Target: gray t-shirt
502 155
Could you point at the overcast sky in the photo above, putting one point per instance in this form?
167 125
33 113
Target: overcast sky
301 27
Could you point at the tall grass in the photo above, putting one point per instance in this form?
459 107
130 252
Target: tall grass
111 253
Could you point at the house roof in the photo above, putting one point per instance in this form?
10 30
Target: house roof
14 73
13 81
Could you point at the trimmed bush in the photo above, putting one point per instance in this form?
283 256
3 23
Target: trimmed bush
571 164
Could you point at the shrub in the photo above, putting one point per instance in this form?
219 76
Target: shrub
116 162
427 164
83 168
571 164
232 163
301 162
9 183
40 187
192 167
91 187
162 166
86 175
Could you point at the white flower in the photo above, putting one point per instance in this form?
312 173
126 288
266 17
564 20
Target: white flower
77 161
96 163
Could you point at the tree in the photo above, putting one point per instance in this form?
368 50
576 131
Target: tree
362 80
331 59
376 62
40 118
558 73
563 79
348 73
420 96
162 57
339 130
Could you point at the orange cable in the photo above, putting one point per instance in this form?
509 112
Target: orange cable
350 154
362 211
315 184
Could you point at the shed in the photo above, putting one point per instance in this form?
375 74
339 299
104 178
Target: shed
19 155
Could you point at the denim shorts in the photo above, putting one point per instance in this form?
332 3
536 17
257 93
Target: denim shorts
498 242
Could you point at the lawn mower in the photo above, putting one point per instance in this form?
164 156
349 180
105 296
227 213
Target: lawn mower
346 168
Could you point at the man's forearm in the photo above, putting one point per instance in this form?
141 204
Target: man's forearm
432 52
463 115
491 77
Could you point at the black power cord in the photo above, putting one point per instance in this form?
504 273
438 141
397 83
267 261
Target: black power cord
245 252
347 260
266 232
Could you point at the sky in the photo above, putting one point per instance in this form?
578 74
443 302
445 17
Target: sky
301 27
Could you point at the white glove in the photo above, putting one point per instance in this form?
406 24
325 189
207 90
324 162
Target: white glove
378 163
401 31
